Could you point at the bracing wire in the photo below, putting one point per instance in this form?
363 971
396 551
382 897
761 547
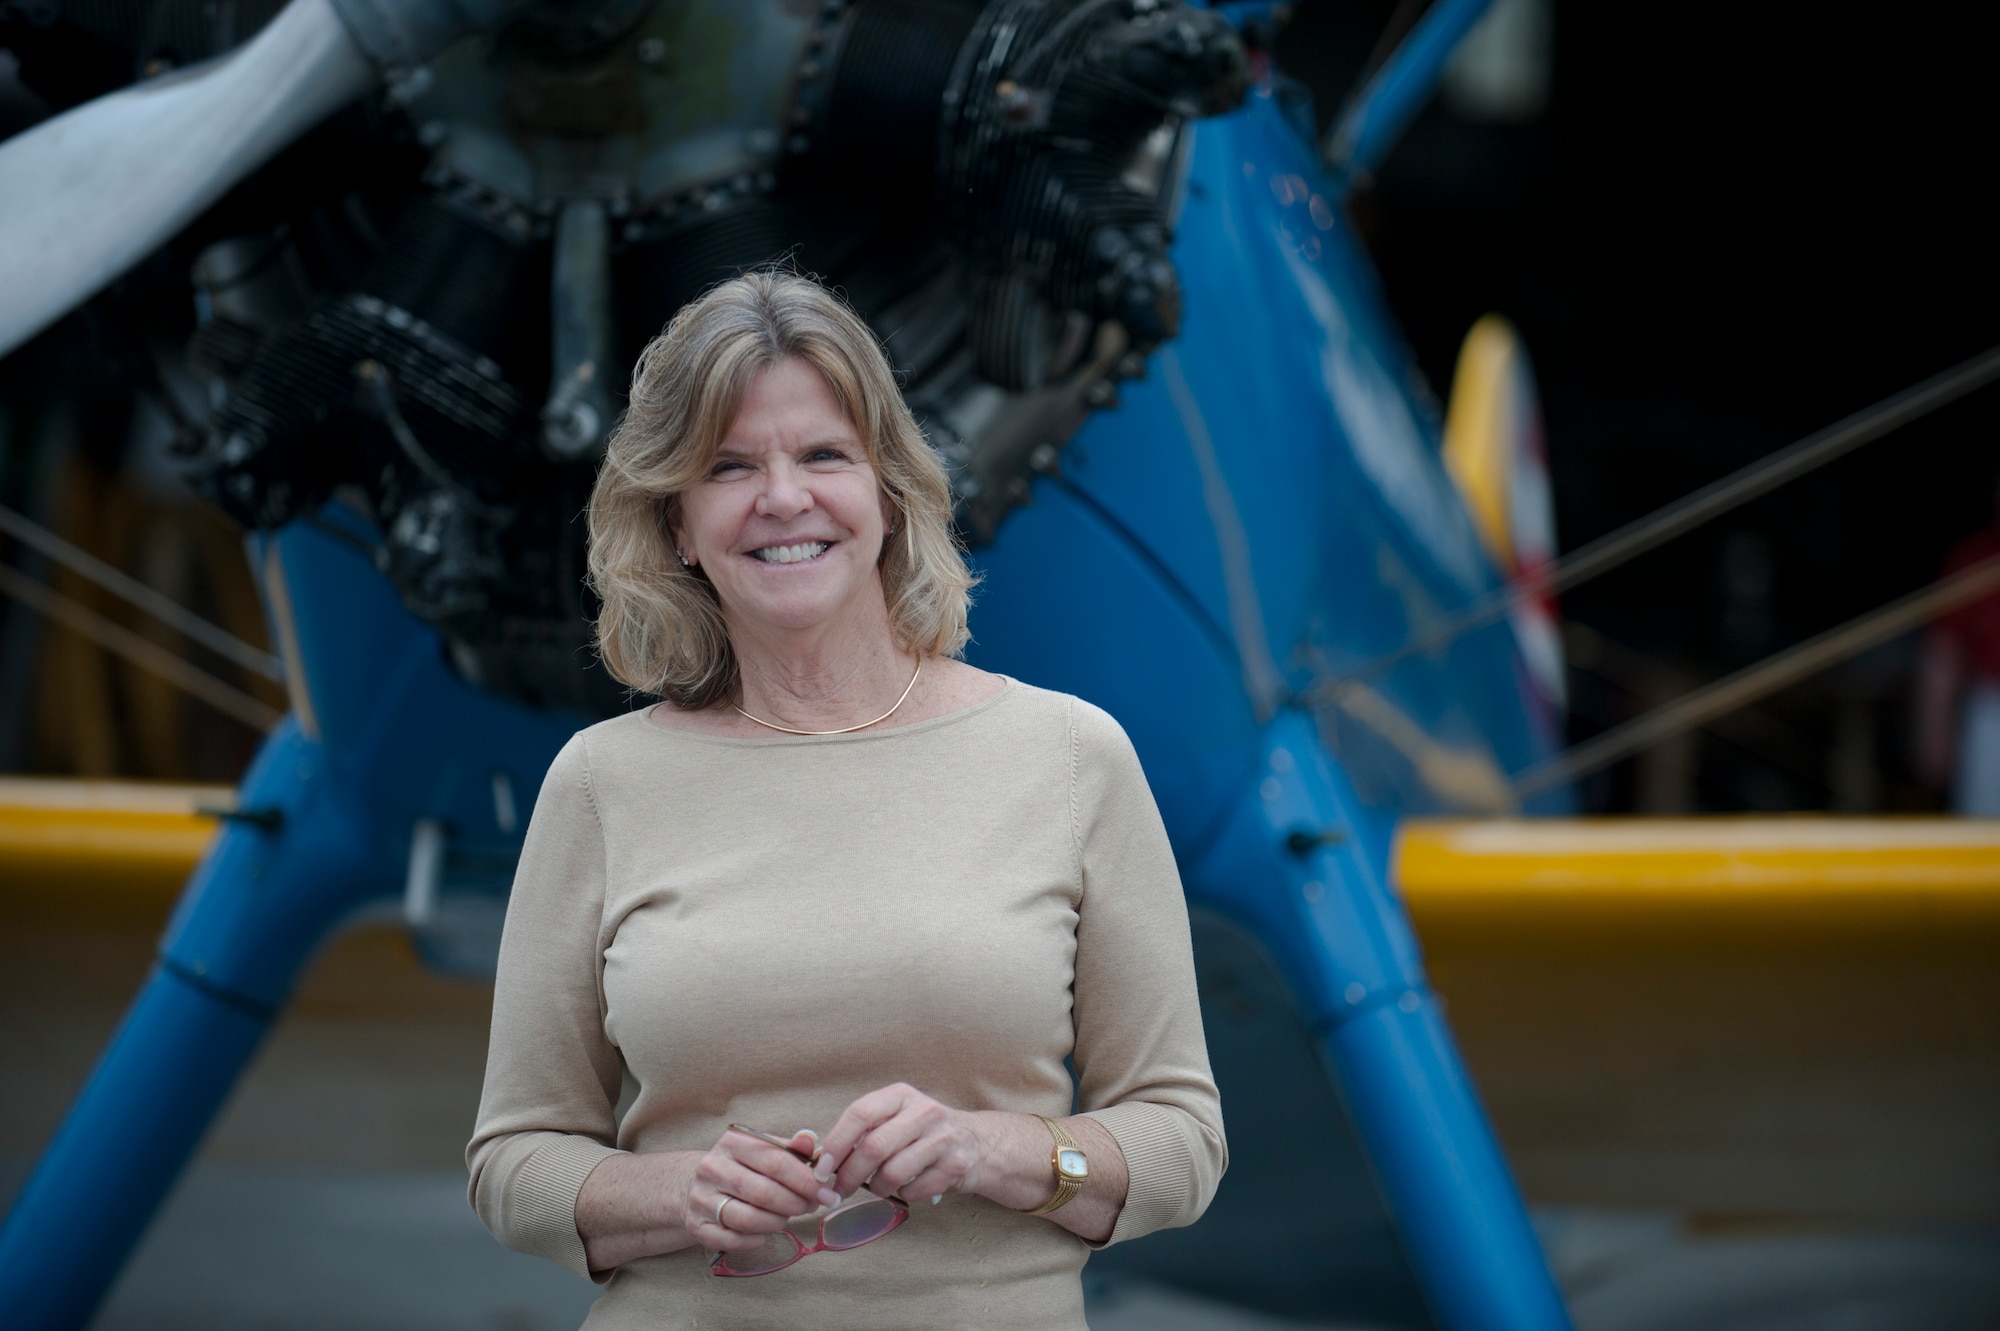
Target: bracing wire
1690 511
136 593
1764 678
142 652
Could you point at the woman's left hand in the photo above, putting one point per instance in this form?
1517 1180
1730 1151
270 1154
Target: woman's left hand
913 1147
907 1143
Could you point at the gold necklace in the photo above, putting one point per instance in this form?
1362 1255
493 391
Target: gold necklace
845 730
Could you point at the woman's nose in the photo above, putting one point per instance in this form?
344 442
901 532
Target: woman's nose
785 494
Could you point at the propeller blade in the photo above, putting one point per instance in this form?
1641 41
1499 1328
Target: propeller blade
88 194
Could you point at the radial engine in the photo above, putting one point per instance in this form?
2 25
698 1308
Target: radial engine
434 309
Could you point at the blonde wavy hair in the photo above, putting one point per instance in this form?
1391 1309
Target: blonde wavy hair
660 628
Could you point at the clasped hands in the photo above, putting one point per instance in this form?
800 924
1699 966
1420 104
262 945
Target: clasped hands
896 1141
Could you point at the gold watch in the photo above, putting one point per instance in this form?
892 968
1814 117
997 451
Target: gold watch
1071 1167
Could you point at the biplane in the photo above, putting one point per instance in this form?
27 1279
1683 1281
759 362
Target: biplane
421 241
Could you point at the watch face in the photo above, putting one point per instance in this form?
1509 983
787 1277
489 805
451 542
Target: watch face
1070 1163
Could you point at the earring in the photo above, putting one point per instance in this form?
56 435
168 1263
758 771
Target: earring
683 558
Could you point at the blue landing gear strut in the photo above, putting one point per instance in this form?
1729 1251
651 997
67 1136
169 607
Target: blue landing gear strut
256 909
1342 936
325 826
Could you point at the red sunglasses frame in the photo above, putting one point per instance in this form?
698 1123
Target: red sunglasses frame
718 1265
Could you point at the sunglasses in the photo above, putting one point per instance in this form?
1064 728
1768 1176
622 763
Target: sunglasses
850 1225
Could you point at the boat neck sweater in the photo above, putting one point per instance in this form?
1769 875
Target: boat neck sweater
761 930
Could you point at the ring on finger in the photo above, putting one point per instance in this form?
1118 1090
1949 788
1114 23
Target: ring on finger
726 1200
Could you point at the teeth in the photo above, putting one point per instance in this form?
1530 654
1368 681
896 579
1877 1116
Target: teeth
791 554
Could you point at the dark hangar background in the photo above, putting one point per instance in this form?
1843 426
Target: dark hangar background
1730 226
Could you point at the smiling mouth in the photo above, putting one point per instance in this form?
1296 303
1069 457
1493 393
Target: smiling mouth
792 554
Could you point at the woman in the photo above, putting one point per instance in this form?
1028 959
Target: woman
838 882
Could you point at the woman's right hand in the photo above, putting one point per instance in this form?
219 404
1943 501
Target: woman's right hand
756 1187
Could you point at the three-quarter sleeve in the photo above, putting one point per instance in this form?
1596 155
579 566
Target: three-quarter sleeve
547 1116
1141 1060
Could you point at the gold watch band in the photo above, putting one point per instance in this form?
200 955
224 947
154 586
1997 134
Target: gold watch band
1066 1188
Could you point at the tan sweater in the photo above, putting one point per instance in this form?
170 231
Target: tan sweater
762 930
